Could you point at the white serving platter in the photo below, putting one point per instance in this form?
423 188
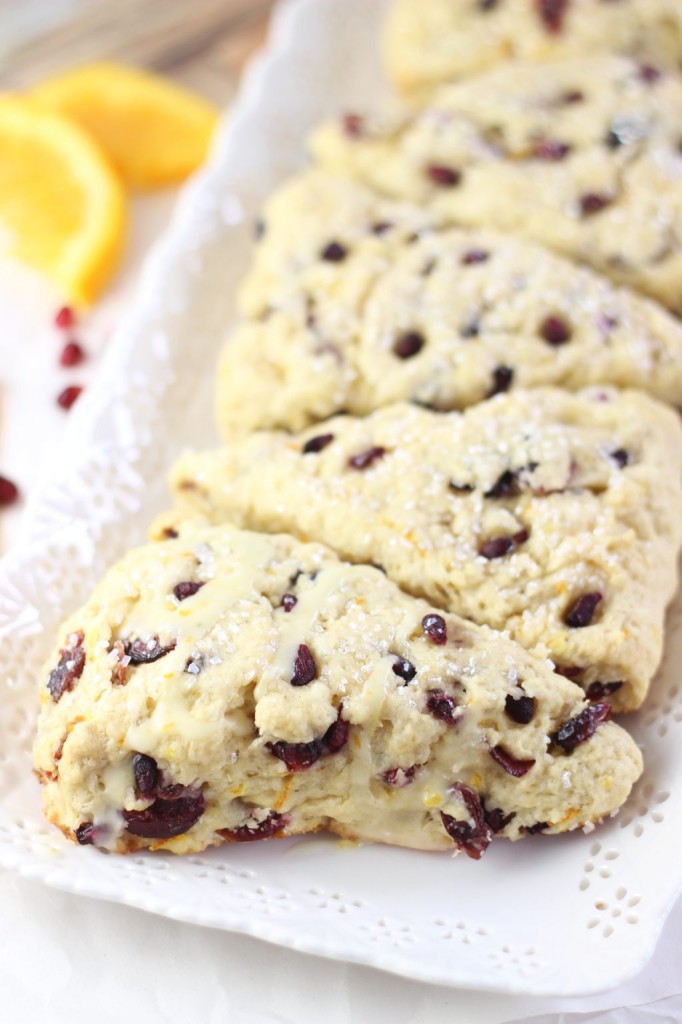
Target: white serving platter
564 915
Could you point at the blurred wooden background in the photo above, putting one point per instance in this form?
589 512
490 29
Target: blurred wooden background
203 43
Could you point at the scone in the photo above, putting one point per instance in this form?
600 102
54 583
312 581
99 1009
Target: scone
597 178
428 42
227 687
554 516
444 317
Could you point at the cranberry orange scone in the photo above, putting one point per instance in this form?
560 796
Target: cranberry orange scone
441 317
228 687
598 178
428 42
555 516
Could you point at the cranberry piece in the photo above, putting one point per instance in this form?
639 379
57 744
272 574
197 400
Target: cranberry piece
555 330
550 149
593 202
334 252
299 756
305 668
170 815
409 344
595 691
580 728
444 177
381 227
502 380
68 396
571 96
399 777
498 547
353 125
404 669
253 830
72 354
336 735
65 318
539 826
143 652
474 837
146 773
316 444
169 533
552 13
506 486
496 818
649 74
519 709
69 667
184 590
85 834
444 707
475 256
289 602
435 628
460 488
581 612
568 671
364 459
621 457
9 492
512 765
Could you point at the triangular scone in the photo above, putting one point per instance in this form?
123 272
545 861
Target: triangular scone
442 317
599 180
228 686
555 516
428 42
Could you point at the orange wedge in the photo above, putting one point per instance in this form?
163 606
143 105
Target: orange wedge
62 206
154 132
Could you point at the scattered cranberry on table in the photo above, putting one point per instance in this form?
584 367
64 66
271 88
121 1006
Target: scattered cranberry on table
68 396
9 492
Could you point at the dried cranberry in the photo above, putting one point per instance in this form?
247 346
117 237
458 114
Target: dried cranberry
555 330
552 13
69 667
305 668
539 826
399 777
506 486
289 602
580 728
404 669
72 354
299 756
9 492
184 590
65 318
649 74
621 457
334 252
498 547
593 202
496 818
550 149
353 125
336 735
381 227
581 612
502 380
519 709
409 344
473 837
568 671
173 814
475 256
512 765
364 459
595 691
269 827
146 773
316 444
435 628
68 396
445 177
143 652
169 533
444 707
85 834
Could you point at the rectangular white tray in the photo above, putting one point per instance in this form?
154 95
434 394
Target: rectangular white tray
549 915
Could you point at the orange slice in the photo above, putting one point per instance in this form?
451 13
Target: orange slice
62 206
154 132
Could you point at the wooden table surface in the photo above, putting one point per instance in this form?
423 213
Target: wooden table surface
203 43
